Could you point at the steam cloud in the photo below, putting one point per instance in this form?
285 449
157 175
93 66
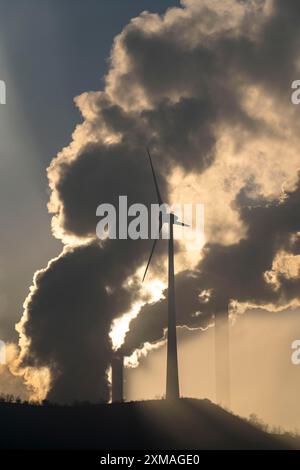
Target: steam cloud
207 86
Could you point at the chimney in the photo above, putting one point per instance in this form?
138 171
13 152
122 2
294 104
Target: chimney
222 359
117 378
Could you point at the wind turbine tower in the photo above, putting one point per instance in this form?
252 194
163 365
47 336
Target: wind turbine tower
172 380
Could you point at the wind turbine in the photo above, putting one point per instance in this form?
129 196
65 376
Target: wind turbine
172 384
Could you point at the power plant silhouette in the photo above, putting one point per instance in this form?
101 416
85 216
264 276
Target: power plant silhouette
117 377
222 358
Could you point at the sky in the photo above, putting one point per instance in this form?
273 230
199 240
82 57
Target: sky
202 85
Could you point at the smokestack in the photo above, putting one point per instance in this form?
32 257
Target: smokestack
222 360
117 378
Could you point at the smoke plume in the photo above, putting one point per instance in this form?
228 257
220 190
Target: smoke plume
203 87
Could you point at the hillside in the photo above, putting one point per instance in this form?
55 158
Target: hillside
186 424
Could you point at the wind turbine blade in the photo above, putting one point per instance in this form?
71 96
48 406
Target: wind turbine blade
149 260
181 224
177 222
155 180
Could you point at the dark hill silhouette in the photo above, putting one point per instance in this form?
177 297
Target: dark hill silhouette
185 424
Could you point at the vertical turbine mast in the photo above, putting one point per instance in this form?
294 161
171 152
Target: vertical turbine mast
172 387
172 382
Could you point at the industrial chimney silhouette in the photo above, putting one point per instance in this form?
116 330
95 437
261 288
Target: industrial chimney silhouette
117 378
172 381
222 358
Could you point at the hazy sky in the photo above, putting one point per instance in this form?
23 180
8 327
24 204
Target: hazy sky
263 379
